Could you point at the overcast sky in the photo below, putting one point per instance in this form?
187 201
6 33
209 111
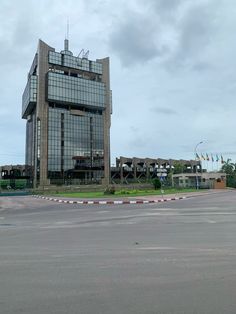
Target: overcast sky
173 70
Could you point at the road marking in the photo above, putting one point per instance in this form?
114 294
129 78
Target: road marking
211 221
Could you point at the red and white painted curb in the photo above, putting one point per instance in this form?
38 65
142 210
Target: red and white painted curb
109 202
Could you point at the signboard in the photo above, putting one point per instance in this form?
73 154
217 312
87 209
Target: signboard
160 175
161 170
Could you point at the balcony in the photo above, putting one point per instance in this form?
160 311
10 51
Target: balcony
75 90
29 97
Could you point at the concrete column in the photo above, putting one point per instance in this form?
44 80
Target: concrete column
42 113
147 171
121 171
107 120
135 168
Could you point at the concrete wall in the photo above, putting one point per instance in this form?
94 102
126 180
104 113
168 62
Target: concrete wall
220 185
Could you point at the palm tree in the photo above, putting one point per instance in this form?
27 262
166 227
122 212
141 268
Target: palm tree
228 167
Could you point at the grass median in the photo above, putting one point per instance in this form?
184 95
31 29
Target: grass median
123 193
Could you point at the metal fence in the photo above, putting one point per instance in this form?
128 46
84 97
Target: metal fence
15 184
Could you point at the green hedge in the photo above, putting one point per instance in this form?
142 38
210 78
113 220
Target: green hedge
18 184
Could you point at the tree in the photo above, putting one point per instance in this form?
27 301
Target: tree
230 170
228 167
157 183
178 168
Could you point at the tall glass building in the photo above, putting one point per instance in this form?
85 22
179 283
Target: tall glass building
67 105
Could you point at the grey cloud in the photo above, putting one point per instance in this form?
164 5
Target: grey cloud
138 144
195 32
134 40
173 42
134 129
95 6
202 66
228 153
163 110
23 34
167 6
196 29
17 40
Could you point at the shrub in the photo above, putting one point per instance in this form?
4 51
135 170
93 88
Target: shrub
110 190
156 183
4 184
122 192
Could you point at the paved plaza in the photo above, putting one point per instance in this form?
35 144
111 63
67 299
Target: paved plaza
170 257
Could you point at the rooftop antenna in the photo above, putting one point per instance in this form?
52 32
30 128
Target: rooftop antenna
86 54
67 28
66 42
81 53
66 50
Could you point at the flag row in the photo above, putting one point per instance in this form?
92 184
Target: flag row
210 157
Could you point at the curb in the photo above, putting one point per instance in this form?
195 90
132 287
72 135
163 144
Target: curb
109 202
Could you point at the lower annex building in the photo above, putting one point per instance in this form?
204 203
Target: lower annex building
67 103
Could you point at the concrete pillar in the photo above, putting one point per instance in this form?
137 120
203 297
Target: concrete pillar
121 171
42 115
107 119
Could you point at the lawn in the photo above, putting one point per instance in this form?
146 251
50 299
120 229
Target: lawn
123 193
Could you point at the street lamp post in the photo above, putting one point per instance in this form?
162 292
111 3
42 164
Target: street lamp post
195 153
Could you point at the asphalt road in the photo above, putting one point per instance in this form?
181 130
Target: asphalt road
175 257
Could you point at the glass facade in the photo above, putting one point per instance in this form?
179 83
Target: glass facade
75 90
29 97
74 62
30 140
75 144
67 104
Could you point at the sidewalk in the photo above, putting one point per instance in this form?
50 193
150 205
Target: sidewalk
148 199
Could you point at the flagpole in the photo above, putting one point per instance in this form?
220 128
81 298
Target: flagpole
217 160
203 163
195 154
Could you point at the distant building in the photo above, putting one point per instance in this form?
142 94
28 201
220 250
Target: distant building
128 170
15 177
208 180
142 170
14 171
67 105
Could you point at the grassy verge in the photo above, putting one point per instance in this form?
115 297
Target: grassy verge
123 193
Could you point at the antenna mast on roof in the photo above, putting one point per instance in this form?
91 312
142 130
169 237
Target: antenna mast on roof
66 50
67 28
66 42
